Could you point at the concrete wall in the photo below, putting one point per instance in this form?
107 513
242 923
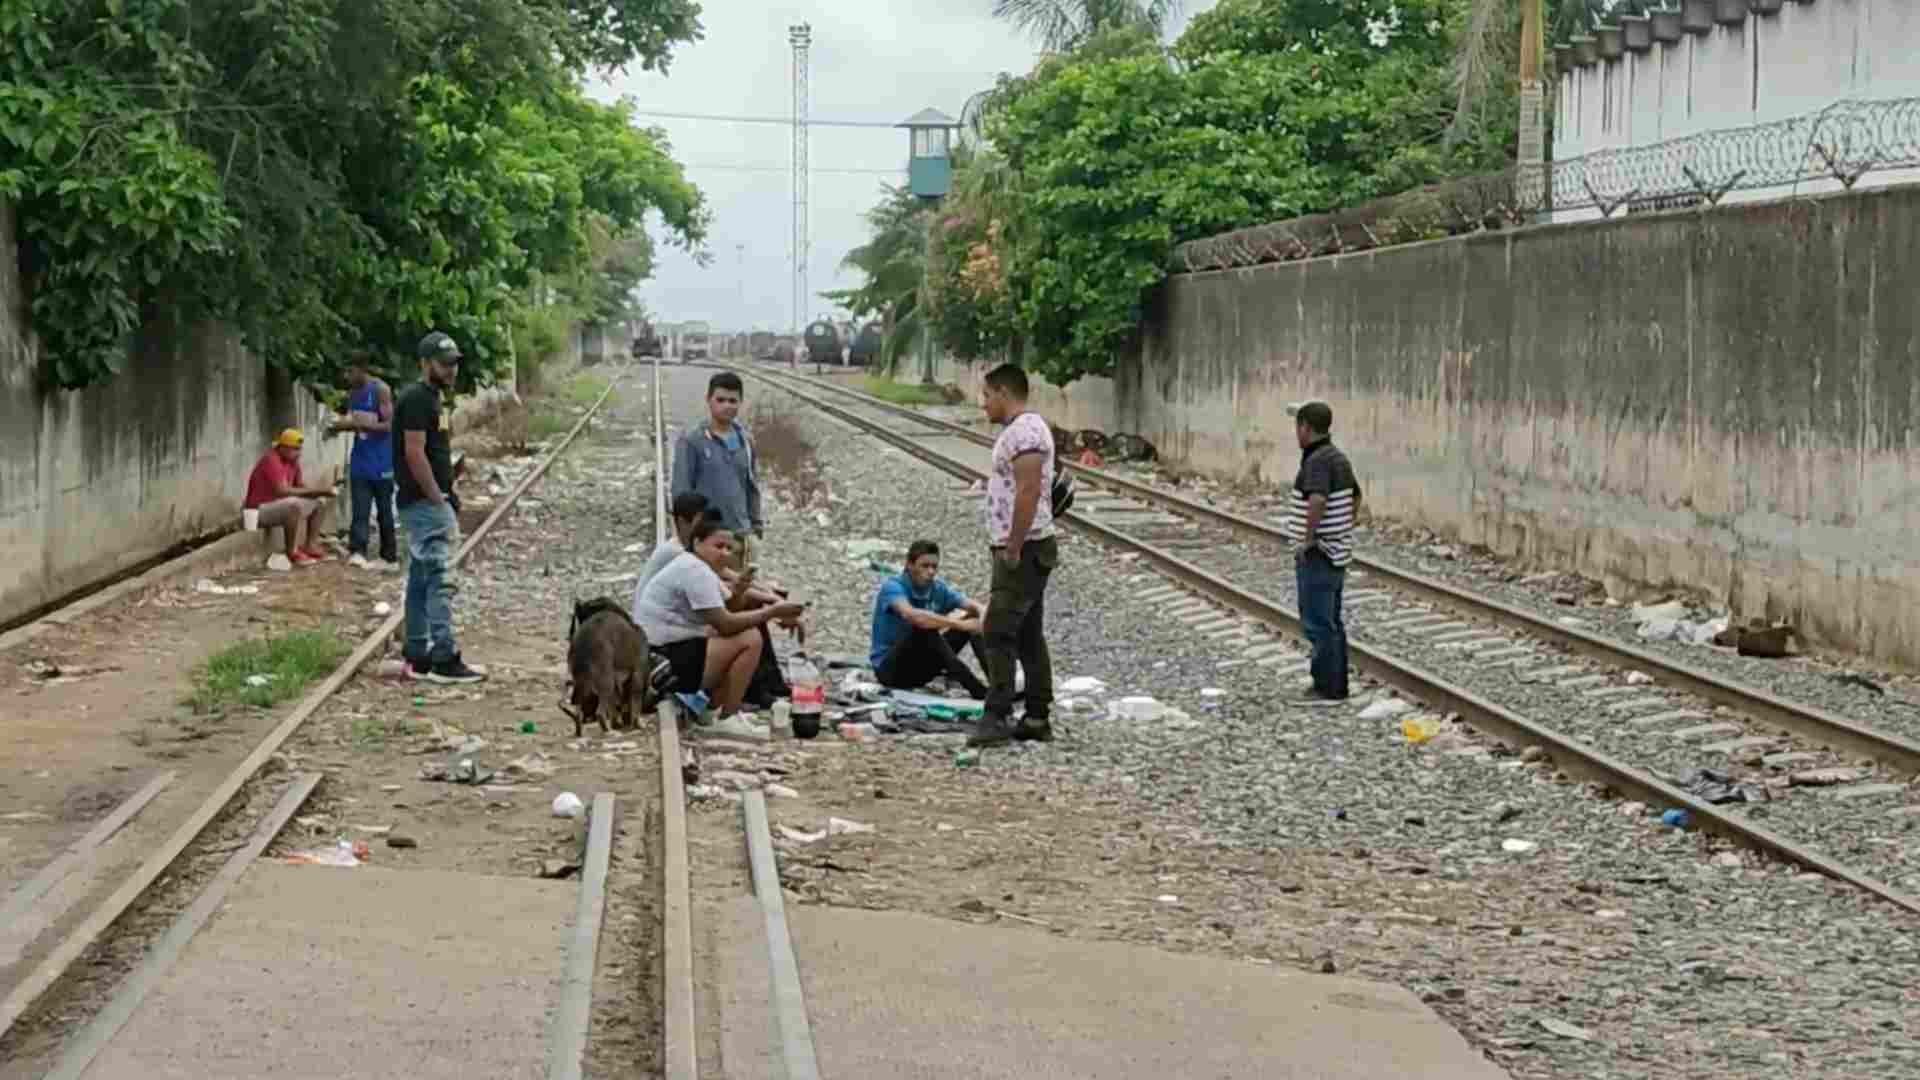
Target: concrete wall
95 481
1768 68
1725 400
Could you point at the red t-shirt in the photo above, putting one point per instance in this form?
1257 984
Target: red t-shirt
263 484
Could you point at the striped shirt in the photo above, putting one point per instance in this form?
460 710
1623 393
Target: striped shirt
1324 470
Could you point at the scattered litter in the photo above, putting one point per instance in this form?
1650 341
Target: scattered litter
1167 898
843 827
635 548
372 830
1638 678
1848 678
781 791
1729 860
1609 913
1212 692
1568 620
207 585
456 771
383 609
1504 812
534 766
1676 819
1135 708
558 869
1673 621
1826 777
1566 1030
1084 684
1518 847
568 805
1718 788
801 836
1386 708
342 854
944 827
1759 639
399 841
966 759
279 563
24 815
732 780
259 680
1419 729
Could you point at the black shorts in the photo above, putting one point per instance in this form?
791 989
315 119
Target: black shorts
689 661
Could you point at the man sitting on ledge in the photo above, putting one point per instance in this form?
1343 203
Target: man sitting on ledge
276 489
920 625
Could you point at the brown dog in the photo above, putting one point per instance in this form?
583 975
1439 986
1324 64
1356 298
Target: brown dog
607 658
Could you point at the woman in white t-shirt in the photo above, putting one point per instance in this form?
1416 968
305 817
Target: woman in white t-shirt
683 612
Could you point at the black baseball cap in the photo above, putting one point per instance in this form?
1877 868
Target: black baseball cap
438 346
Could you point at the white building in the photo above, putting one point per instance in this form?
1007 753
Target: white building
1736 101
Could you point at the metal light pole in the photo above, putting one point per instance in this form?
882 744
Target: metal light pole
800 36
929 178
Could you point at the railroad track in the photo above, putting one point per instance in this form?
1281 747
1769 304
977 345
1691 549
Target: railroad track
189 845
1631 719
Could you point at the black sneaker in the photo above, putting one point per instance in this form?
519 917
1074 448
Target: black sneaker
990 731
455 670
1034 731
418 667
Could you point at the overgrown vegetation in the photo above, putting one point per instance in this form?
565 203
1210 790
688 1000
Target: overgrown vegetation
1080 177
902 393
264 672
322 174
553 412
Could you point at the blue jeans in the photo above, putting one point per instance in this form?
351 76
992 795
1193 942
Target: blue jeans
369 493
432 532
1319 585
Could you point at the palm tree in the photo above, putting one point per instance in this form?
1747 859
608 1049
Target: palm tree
893 264
1484 54
1062 25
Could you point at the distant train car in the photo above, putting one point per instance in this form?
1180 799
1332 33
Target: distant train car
760 345
696 341
865 348
824 342
647 342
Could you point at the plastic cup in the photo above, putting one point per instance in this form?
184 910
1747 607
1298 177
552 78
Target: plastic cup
250 518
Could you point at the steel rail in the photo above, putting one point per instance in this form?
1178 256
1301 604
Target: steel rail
1568 752
25 994
1770 710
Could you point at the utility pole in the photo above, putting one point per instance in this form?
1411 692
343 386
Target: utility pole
800 36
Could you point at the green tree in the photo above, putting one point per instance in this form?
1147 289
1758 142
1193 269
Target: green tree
893 265
1065 25
317 173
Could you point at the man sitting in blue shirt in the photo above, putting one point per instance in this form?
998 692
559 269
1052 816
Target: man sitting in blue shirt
921 623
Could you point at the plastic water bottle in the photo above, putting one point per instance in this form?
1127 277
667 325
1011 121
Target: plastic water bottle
809 696
782 725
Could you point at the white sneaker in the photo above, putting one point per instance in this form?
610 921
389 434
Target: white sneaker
279 562
358 562
735 727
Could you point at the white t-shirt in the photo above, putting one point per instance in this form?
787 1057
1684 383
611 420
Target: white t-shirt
669 607
663 554
1026 434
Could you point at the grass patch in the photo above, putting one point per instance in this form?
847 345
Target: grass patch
553 413
900 393
264 672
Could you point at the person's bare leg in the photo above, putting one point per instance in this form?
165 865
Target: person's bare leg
739 675
721 654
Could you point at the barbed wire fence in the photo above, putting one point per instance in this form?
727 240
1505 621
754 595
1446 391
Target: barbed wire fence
1843 142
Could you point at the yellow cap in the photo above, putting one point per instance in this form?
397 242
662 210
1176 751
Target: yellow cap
290 438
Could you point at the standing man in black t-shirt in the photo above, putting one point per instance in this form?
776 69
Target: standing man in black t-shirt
423 488
1320 515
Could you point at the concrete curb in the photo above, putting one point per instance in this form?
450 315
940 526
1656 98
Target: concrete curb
107 1023
788 998
567 1041
232 548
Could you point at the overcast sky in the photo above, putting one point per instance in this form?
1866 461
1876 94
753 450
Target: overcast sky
872 60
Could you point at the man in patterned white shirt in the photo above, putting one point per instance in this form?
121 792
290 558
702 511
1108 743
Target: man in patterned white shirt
1020 534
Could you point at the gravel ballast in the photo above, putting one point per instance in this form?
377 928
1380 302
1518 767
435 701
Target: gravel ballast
1668 954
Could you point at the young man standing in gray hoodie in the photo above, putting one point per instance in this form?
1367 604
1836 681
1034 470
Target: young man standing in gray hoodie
716 460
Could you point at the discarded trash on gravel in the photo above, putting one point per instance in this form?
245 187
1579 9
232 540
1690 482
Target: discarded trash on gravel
843 827
207 585
801 836
864 549
1518 847
1138 707
343 854
1566 1030
1419 729
1083 684
568 805
259 680
1718 788
461 770
1386 708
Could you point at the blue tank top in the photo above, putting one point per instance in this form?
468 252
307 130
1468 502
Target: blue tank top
372 450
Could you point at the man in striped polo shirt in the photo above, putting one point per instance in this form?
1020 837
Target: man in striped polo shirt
1320 514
